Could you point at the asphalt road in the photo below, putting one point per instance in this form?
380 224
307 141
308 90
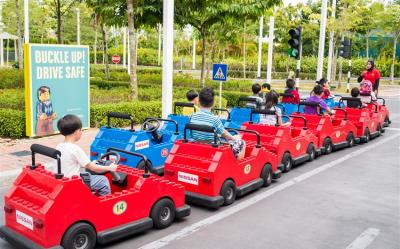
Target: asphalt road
348 199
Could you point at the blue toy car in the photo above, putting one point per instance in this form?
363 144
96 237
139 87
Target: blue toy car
181 120
152 141
238 115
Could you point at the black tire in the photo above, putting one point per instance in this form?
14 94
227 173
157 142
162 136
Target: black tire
228 192
311 152
367 135
140 165
387 120
379 130
350 139
266 175
163 213
79 236
287 162
328 146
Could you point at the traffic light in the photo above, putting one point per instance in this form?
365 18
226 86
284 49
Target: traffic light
295 42
345 48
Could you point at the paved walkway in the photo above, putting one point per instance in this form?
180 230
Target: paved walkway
15 154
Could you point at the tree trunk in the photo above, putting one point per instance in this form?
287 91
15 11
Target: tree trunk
244 50
367 48
105 50
334 63
95 40
58 10
393 58
203 57
132 47
20 48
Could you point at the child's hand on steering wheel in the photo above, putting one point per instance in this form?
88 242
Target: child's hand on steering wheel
113 167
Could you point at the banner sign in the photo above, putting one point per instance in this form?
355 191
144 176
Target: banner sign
56 84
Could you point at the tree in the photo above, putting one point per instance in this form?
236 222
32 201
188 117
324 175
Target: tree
20 57
107 13
60 8
204 14
389 21
140 13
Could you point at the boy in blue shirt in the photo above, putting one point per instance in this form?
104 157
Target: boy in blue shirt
205 117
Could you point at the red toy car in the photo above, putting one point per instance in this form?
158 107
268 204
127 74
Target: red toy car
46 210
292 145
333 132
211 174
366 120
382 110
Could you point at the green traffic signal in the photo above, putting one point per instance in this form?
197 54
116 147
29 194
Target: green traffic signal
293 52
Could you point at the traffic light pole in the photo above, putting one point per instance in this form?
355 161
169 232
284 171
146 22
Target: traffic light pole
298 64
348 77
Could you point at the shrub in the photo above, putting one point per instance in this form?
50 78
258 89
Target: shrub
12 99
11 78
138 111
12 123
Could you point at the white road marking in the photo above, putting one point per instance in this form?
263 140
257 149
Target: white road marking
394 116
392 129
186 231
365 239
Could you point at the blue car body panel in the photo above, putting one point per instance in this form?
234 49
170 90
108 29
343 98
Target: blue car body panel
140 142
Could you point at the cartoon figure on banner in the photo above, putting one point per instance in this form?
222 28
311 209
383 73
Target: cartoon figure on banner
45 114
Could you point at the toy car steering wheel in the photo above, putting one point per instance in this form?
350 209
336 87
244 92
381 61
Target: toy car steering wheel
151 125
105 162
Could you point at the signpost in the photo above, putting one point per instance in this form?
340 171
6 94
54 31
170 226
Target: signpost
116 59
220 73
56 84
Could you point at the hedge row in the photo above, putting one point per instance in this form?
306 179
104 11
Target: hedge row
12 123
182 80
138 111
11 78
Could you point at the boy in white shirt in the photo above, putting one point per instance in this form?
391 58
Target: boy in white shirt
73 158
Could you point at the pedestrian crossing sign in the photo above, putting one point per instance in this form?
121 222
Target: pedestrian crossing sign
220 72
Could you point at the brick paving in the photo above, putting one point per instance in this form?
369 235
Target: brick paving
10 163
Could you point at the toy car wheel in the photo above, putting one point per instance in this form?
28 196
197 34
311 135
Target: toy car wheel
140 165
328 146
79 236
387 120
228 191
311 152
367 135
266 175
163 213
379 129
350 139
287 162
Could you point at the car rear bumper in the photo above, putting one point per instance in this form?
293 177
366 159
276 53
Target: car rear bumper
182 211
19 241
204 200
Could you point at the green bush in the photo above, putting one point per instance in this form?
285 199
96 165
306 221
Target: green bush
12 99
12 123
11 78
138 110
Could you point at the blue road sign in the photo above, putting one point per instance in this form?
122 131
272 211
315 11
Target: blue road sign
220 72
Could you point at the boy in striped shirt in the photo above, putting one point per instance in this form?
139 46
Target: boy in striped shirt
205 117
